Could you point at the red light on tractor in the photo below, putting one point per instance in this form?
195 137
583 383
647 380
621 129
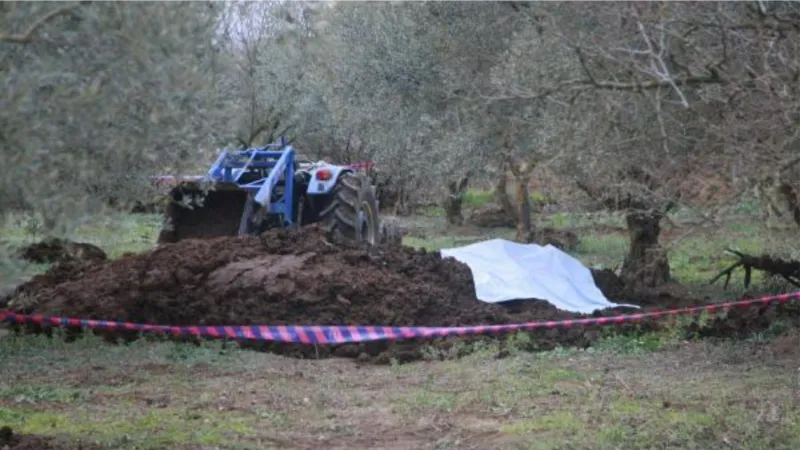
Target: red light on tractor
323 175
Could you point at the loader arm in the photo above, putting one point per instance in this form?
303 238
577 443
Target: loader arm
283 169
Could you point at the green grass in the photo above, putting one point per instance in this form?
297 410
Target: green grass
116 234
40 394
476 198
439 242
152 429
601 251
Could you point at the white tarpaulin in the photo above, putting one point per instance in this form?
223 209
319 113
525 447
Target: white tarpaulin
505 270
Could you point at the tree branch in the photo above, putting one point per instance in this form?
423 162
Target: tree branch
584 85
27 36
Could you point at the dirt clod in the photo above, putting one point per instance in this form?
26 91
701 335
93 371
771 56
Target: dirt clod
564 240
58 250
490 216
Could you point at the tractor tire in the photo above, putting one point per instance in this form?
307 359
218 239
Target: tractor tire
352 214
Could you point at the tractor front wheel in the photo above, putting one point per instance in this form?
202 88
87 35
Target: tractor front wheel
353 210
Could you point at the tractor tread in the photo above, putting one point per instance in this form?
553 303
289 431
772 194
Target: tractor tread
352 193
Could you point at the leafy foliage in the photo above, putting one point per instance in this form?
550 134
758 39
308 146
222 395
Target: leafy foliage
100 96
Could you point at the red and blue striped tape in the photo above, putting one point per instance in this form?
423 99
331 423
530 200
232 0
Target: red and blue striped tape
299 334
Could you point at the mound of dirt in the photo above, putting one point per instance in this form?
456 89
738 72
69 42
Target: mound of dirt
491 215
564 240
281 277
612 286
58 250
288 278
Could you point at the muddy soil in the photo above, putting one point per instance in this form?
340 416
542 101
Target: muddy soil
296 278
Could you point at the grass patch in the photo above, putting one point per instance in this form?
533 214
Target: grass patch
697 259
153 429
41 394
426 401
116 233
435 243
602 251
31 352
561 422
476 198
632 344
570 220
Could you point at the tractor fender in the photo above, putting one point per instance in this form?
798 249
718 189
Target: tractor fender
317 186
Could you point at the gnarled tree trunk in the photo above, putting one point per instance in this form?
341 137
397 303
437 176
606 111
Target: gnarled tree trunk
646 265
501 195
401 207
452 203
522 172
790 198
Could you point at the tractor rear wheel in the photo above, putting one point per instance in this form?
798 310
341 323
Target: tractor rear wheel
353 210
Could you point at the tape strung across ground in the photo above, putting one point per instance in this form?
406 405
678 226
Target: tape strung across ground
353 334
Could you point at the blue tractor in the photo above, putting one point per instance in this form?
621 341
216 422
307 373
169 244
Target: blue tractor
250 191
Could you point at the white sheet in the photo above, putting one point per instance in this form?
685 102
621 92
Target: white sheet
505 270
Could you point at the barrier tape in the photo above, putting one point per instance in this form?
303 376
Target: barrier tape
352 334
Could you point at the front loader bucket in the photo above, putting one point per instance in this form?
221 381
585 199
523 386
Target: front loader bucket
218 213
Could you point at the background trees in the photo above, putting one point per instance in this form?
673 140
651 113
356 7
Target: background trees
99 95
640 107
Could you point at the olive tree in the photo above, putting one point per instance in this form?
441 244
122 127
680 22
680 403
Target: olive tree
99 96
264 77
400 76
660 98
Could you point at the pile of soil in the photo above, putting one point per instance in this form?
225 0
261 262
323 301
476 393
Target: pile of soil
289 278
490 215
279 278
53 250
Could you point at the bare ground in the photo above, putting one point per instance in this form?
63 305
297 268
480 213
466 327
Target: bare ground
167 395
